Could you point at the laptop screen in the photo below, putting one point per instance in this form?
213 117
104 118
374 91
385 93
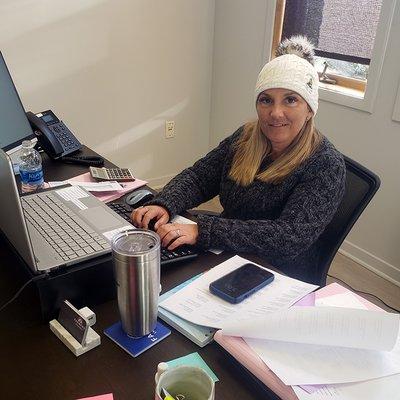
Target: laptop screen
14 125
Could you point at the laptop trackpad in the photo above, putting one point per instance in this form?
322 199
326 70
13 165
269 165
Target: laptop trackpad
100 218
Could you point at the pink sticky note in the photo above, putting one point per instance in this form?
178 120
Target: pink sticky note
108 396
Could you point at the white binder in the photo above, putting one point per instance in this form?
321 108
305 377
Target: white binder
201 335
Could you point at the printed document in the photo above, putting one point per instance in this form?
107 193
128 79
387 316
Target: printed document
376 389
330 326
107 186
196 304
307 364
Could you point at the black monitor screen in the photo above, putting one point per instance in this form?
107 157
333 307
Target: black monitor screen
14 125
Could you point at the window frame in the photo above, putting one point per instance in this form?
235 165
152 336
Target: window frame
350 92
396 108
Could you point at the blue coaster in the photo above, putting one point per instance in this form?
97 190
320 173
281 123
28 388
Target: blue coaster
139 345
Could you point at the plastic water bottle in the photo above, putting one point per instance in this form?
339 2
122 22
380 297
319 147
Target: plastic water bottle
30 168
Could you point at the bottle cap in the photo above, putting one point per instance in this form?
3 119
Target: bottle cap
27 144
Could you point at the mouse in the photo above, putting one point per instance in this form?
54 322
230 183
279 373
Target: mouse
138 197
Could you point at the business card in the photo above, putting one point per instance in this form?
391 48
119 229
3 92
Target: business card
70 318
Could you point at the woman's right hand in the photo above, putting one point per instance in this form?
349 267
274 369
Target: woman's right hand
143 215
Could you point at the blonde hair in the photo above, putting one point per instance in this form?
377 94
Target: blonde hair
253 146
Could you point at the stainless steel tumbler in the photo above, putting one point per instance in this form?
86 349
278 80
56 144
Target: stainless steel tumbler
136 258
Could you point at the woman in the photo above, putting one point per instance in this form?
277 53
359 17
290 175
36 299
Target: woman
279 180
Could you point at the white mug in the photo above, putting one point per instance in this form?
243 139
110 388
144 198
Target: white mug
184 382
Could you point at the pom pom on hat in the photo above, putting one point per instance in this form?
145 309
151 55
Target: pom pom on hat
297 45
292 69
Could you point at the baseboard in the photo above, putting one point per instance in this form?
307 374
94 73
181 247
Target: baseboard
371 262
159 183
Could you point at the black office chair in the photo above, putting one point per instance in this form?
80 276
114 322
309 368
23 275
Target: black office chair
361 186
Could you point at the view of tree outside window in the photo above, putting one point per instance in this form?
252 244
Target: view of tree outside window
343 68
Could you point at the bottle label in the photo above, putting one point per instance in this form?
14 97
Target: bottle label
32 177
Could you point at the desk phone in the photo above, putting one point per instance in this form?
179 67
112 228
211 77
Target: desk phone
53 135
112 174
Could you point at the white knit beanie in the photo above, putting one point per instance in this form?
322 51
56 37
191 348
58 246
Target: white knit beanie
292 69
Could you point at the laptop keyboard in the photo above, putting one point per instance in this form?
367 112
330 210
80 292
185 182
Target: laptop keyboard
182 253
69 237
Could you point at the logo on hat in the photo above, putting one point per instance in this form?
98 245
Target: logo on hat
310 83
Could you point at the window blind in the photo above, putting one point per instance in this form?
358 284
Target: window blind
340 29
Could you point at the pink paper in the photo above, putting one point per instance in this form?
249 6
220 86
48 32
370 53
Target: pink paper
312 388
240 350
108 396
335 288
308 300
109 196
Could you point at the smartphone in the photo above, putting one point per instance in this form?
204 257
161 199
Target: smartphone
241 283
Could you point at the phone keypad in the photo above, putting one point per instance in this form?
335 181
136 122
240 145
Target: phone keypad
64 136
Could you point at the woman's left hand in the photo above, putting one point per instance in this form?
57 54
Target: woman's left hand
176 235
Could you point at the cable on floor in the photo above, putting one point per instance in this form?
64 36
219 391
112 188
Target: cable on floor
35 278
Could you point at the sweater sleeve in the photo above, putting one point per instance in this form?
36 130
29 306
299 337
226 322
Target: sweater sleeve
198 183
308 210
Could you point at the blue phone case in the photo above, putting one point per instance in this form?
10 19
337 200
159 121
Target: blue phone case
235 300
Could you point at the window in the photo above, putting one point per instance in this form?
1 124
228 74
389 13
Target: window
350 39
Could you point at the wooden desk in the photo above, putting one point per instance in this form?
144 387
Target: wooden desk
35 364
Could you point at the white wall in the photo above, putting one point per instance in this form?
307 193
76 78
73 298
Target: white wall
372 139
114 71
237 59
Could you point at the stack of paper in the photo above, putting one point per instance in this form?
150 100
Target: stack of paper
331 352
105 190
199 334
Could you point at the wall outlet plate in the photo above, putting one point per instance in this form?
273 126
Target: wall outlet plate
169 129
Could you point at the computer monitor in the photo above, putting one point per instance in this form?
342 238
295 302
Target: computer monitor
14 125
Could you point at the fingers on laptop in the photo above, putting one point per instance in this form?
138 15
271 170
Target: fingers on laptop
142 216
175 235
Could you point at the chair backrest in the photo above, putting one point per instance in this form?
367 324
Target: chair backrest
361 186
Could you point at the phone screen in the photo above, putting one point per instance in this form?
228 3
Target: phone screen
240 283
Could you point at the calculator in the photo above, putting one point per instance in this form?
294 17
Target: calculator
112 174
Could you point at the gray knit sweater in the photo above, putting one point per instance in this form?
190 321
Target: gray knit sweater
280 222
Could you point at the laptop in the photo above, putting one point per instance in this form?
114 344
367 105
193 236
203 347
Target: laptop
55 227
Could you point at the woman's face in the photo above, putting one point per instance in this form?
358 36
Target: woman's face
282 114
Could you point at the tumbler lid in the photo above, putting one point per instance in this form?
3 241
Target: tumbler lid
135 242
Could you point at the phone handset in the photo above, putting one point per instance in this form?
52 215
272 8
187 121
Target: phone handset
53 135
